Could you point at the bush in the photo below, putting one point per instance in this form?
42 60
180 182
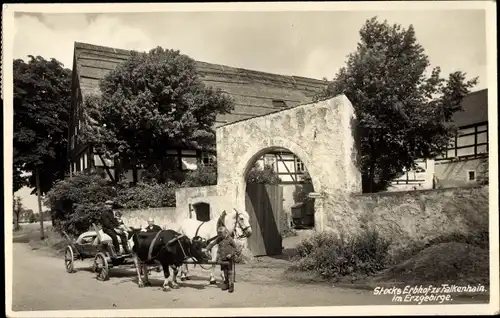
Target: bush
76 202
146 195
334 257
205 175
267 175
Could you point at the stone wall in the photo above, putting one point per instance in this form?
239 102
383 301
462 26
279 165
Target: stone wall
404 217
186 198
164 217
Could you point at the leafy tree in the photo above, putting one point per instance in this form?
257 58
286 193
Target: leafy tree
265 175
18 210
29 216
404 112
152 102
146 194
42 90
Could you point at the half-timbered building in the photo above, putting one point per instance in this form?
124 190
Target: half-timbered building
464 159
254 93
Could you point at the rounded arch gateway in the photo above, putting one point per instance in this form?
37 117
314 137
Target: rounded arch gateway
270 206
322 135
246 162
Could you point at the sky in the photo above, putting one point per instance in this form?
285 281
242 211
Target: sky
306 43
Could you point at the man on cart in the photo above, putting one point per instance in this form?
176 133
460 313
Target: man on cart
111 226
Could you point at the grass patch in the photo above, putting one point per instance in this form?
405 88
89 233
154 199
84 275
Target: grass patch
28 232
479 239
443 263
53 242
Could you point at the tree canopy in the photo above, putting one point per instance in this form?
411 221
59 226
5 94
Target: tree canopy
403 108
152 102
42 90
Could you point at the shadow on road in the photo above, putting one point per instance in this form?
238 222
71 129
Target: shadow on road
131 276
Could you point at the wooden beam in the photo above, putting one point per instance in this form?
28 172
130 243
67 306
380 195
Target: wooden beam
106 167
475 140
291 175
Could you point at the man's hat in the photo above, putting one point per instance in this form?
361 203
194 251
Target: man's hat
109 202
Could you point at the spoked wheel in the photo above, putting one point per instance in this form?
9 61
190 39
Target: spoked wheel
101 267
69 259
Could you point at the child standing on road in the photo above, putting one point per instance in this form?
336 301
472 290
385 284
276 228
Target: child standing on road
225 253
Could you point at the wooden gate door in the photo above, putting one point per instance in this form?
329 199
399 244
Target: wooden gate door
264 203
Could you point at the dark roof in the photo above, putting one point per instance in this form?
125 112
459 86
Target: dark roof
254 93
475 109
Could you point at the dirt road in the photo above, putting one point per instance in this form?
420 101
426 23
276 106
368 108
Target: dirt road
41 283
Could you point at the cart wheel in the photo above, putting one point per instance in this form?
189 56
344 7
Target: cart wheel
69 259
101 267
94 268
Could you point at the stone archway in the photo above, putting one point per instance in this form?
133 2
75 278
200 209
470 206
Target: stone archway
246 163
265 202
321 134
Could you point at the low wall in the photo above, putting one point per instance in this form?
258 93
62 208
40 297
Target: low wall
186 198
164 217
405 217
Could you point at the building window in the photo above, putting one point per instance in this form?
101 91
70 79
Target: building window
299 165
469 142
471 175
207 158
279 103
189 160
85 161
270 160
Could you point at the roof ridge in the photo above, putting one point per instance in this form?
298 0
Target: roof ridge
127 52
478 91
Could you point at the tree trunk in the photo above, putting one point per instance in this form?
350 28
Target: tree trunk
39 195
16 226
371 175
134 171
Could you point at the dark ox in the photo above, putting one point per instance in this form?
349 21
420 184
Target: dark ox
170 249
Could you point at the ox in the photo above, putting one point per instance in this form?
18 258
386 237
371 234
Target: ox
208 231
167 247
